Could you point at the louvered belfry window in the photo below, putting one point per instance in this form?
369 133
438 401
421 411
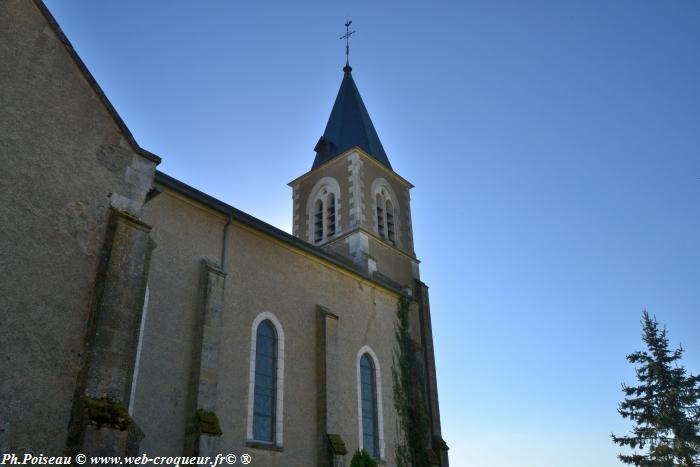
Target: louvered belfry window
330 220
318 222
380 217
390 234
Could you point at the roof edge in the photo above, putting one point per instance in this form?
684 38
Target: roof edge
93 83
257 224
363 153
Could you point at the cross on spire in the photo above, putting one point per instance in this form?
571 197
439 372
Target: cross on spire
346 36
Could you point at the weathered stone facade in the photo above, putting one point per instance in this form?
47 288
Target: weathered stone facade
357 237
130 300
72 184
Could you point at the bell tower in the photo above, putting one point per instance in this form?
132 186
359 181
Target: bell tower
352 203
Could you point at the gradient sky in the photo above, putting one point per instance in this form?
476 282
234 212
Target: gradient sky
555 149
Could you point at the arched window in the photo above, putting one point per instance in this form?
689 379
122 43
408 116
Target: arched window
265 396
368 402
266 381
323 211
380 216
318 222
390 234
387 211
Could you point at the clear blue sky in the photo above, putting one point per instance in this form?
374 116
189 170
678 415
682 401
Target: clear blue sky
555 149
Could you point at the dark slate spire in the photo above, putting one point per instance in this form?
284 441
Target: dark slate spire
349 125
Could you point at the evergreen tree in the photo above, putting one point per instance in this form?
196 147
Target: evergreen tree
665 406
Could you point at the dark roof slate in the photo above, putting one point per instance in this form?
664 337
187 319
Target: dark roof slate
349 125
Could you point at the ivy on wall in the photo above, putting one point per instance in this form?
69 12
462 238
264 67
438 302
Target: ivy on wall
413 446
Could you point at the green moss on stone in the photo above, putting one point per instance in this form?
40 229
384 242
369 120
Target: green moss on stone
105 412
337 444
362 459
208 422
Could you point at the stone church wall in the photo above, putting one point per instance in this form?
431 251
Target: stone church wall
263 274
74 258
64 162
271 277
394 265
185 234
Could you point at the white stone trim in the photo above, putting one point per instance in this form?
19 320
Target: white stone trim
279 414
409 222
355 190
295 210
358 246
137 363
415 269
380 406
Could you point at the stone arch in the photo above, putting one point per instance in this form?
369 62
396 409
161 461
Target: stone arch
279 403
321 190
380 407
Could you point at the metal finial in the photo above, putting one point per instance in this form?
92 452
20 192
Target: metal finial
346 36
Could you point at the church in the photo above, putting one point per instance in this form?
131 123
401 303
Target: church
141 315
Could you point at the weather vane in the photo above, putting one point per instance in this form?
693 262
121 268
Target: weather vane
346 36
